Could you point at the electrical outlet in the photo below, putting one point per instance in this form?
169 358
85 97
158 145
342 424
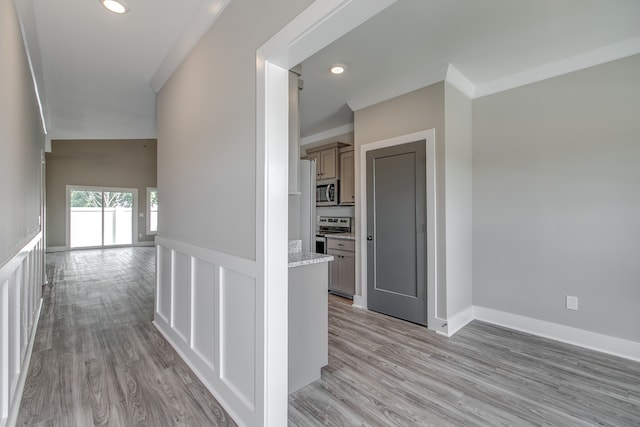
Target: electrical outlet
572 303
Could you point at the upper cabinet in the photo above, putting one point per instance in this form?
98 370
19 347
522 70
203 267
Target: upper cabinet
326 157
347 176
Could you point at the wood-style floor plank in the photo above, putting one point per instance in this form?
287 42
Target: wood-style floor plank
97 358
383 371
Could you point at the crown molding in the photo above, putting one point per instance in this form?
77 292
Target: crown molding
578 62
458 80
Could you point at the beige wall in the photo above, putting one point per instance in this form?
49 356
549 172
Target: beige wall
416 111
100 163
21 140
556 199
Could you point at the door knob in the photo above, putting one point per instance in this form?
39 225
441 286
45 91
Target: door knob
369 238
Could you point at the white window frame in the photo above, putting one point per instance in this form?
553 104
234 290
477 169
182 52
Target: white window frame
149 231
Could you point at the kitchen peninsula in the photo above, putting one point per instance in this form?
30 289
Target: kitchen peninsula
308 315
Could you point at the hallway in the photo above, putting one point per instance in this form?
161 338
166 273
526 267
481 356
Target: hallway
98 359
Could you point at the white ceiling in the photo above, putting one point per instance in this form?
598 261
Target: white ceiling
493 44
96 70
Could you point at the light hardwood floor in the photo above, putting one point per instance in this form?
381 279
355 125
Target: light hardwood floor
98 360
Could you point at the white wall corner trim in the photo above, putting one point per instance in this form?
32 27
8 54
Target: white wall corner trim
567 334
330 133
458 321
201 21
458 80
581 61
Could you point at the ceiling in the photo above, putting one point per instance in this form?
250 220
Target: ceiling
484 45
97 72
95 69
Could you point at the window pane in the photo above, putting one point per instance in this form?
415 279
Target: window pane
118 218
85 224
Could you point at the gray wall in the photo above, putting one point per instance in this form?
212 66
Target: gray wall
99 163
207 131
556 199
413 112
21 139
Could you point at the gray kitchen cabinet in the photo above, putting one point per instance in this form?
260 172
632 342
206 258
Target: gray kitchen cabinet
326 157
347 176
342 270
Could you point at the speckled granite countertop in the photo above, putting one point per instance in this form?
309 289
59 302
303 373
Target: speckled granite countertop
297 259
342 236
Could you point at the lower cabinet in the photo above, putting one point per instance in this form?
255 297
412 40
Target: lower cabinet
342 270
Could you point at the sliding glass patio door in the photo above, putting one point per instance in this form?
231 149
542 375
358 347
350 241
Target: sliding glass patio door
99 217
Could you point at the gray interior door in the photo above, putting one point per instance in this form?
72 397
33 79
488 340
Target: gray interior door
396 232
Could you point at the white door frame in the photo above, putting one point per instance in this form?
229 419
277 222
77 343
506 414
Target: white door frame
429 139
323 22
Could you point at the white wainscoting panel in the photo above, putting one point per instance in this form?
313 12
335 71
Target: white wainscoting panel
238 329
180 295
163 285
21 279
206 308
205 303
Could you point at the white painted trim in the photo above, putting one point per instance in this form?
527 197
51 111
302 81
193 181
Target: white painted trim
24 370
331 133
566 334
203 18
605 54
458 321
12 263
458 80
429 138
57 249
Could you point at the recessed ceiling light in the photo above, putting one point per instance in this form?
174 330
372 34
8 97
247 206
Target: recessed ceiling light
114 6
337 69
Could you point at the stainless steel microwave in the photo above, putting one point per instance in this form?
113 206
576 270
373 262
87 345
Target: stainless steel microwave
327 192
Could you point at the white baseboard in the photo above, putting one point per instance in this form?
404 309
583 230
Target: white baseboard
149 243
56 249
457 322
22 379
567 334
359 302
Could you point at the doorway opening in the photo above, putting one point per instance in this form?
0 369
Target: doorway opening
99 217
